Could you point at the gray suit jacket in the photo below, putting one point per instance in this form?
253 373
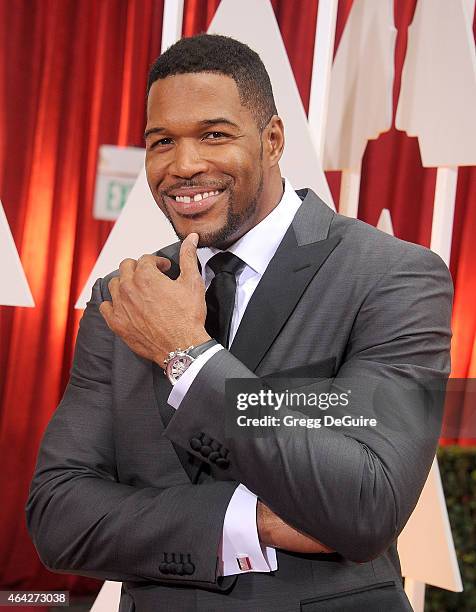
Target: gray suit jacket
128 489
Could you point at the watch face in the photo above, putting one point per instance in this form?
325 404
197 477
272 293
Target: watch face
177 366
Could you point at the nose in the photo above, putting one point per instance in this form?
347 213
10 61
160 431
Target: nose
187 160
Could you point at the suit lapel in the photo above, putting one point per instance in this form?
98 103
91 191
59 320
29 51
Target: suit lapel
277 294
303 250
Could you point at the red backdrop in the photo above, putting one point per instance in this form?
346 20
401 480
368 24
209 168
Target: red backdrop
72 77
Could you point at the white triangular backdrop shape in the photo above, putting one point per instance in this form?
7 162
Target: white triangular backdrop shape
425 546
385 222
361 90
14 289
108 598
437 100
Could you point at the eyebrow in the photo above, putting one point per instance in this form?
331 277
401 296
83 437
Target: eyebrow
204 123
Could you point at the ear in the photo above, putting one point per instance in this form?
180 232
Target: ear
273 141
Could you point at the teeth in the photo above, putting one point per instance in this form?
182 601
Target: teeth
196 198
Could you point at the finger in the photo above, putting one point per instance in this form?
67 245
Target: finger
163 264
159 263
113 286
107 311
188 257
127 268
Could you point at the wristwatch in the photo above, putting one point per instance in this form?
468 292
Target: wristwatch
178 361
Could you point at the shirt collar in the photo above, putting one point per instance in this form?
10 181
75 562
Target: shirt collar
258 246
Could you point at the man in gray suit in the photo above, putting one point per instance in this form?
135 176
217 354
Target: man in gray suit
182 486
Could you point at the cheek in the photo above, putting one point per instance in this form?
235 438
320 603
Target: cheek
240 164
155 170
247 180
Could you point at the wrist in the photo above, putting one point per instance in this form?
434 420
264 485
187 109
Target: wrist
177 362
262 522
183 342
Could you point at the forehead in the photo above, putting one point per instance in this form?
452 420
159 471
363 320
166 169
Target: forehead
190 98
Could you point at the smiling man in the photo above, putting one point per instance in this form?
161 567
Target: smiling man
202 128
140 477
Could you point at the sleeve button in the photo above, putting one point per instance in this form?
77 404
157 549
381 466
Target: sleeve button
196 444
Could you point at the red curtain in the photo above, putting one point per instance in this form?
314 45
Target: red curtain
73 77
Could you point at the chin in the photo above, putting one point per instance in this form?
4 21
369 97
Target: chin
206 236
219 240
209 233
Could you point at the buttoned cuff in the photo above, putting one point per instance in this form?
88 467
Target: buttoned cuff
241 551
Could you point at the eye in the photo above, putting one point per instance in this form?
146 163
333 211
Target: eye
214 135
163 142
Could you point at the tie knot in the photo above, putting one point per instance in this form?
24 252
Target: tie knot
225 262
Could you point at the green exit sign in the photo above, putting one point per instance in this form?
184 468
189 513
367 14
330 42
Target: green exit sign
118 169
116 195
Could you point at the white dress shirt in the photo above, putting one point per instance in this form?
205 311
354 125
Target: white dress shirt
256 249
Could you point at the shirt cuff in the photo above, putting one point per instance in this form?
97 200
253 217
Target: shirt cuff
241 551
179 390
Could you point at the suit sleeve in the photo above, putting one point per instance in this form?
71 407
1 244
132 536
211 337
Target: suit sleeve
83 521
353 488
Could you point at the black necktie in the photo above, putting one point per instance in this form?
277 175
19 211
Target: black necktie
220 295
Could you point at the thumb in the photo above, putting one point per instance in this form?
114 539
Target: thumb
188 256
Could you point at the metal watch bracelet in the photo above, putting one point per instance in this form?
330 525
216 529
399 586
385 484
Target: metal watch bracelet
196 351
178 361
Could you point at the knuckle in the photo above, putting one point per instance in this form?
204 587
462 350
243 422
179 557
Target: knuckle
126 287
126 262
143 280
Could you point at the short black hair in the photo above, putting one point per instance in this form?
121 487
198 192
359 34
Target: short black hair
225 55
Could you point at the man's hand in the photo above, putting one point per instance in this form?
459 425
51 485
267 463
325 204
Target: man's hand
274 532
154 314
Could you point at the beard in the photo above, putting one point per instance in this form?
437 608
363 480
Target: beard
220 238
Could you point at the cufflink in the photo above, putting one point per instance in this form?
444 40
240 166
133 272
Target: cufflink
244 563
